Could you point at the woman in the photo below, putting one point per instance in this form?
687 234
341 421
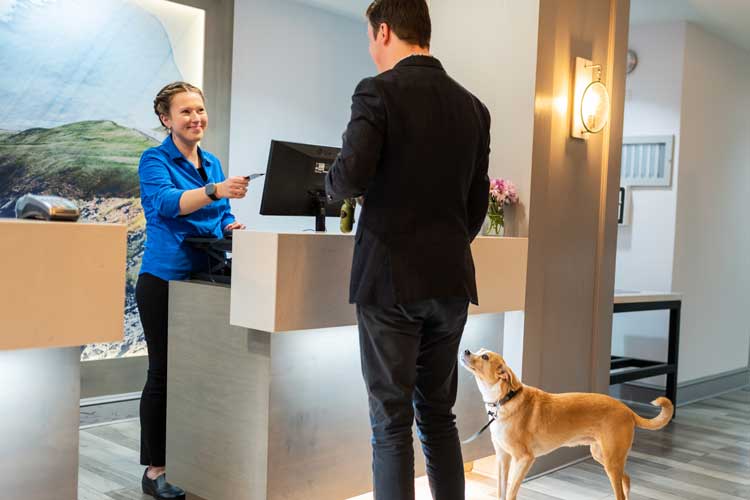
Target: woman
183 193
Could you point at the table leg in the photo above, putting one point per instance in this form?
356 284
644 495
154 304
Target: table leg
673 353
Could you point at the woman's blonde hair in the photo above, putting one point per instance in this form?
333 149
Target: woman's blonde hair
163 99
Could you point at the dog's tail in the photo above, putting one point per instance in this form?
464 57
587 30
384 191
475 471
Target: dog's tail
659 421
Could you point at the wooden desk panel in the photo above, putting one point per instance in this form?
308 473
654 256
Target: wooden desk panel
299 281
61 284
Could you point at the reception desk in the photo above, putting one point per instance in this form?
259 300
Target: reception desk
266 400
62 286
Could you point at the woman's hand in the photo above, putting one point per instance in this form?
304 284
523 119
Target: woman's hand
233 187
233 226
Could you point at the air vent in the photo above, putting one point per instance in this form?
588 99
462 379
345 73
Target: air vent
647 161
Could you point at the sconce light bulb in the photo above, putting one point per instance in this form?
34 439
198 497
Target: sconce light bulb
595 107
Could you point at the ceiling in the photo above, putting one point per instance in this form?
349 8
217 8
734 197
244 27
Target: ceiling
727 19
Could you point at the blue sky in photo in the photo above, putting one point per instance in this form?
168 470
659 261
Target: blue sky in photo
64 61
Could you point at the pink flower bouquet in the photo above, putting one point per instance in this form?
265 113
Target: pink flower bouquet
502 192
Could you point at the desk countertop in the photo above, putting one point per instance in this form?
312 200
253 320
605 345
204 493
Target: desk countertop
639 296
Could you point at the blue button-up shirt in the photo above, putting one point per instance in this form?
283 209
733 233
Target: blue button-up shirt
165 174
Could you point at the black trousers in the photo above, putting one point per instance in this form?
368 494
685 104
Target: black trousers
152 297
409 357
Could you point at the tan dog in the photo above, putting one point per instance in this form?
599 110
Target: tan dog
531 423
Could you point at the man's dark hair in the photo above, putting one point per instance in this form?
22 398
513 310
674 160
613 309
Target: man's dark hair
408 19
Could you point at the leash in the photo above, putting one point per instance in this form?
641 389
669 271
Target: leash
496 405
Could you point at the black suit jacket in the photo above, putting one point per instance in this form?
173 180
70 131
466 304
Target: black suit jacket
417 147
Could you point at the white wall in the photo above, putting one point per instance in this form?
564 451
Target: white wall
294 70
691 237
490 47
713 240
645 247
495 58
352 8
280 43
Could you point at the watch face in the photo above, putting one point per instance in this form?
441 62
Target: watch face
632 60
211 189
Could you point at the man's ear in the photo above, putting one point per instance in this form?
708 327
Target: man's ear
385 32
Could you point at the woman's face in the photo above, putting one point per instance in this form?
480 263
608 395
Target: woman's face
187 117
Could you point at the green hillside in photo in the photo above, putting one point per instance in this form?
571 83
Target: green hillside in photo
78 160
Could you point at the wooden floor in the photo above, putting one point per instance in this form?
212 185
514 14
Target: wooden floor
703 454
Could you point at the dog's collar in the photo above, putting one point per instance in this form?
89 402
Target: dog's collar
495 405
501 402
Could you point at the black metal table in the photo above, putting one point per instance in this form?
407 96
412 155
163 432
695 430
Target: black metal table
626 369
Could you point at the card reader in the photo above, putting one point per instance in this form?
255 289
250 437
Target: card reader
54 208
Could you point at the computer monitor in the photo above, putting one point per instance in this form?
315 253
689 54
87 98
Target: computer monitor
295 182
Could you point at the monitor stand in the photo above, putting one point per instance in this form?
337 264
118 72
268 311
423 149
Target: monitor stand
319 203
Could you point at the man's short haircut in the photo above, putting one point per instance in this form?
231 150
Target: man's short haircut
408 19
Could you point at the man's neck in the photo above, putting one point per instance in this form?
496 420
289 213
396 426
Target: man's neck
408 51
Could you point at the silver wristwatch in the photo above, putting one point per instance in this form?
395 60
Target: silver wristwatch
211 191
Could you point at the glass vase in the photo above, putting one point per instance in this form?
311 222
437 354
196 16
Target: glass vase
495 225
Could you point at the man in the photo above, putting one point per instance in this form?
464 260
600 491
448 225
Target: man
417 150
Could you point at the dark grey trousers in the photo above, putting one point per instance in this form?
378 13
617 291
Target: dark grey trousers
409 363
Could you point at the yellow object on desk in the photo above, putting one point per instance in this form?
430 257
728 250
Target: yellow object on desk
347 215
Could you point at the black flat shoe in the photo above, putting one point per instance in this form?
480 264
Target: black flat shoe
160 489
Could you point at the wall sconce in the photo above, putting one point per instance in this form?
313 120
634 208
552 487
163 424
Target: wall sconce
591 103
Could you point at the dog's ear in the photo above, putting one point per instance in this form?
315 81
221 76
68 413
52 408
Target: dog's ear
506 374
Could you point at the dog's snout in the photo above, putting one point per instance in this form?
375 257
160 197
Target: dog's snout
467 352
